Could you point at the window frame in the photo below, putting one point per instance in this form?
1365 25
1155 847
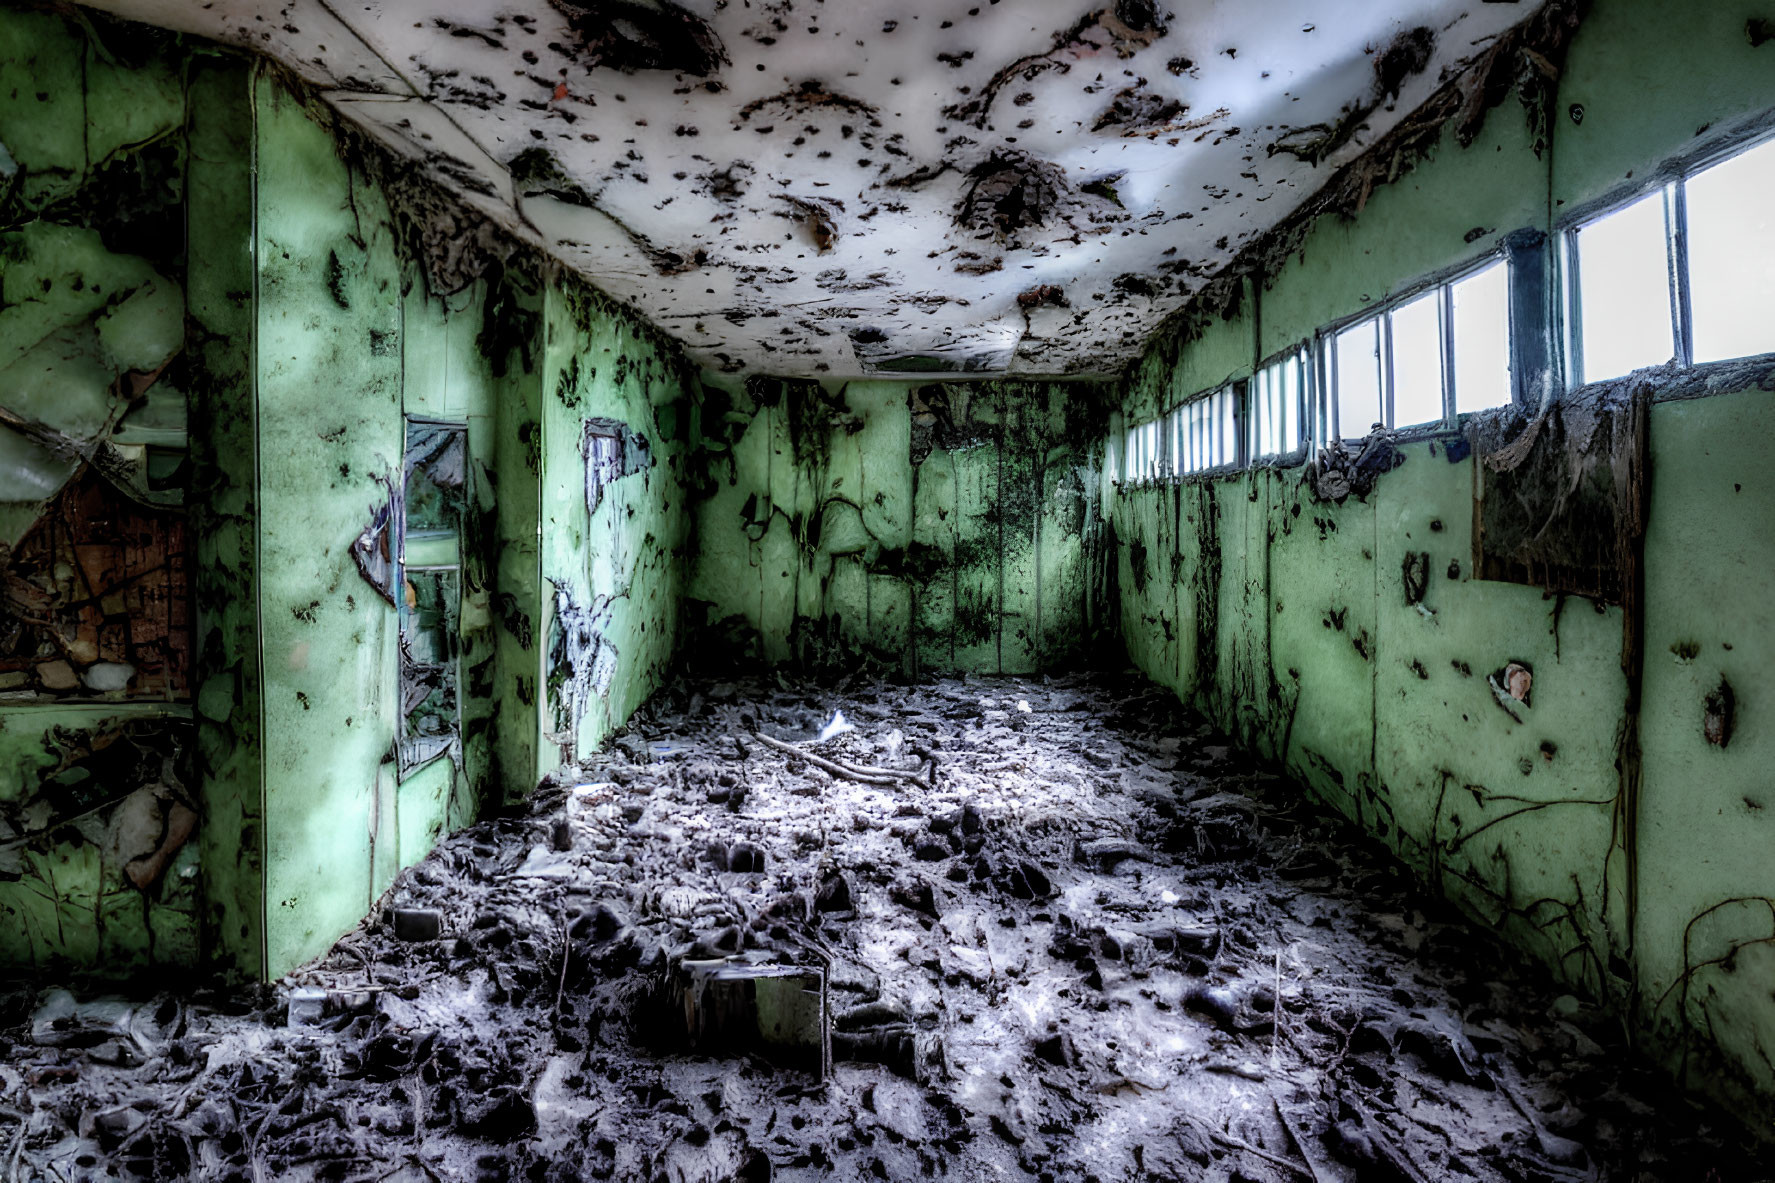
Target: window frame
1671 177
1153 449
1306 398
1327 427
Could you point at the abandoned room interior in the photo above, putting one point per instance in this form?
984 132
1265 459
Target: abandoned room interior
1069 590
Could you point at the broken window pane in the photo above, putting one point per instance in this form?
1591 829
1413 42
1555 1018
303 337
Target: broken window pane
1358 379
430 612
1417 360
431 507
436 477
1482 339
1624 281
1732 256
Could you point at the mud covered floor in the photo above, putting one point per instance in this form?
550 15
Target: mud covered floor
1098 945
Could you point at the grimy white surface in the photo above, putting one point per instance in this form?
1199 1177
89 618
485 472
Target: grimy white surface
810 188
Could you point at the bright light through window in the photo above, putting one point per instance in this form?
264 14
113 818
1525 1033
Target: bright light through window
1482 339
1274 400
1731 257
1359 379
1417 360
1205 426
1624 273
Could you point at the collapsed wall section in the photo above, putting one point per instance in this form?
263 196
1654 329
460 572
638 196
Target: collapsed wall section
109 630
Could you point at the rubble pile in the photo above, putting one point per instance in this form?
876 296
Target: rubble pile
1053 929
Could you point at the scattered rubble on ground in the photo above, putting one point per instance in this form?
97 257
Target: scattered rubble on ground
1063 932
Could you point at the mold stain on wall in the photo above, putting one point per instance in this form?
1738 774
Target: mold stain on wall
923 527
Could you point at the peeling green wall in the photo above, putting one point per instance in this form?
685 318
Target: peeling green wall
351 344
307 338
1287 618
93 267
930 528
611 577
328 384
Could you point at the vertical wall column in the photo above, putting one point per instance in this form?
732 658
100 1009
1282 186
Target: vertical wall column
224 506
330 442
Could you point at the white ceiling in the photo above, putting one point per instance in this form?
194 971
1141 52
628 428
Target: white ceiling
803 187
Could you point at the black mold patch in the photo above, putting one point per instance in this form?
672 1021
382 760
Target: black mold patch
629 35
1009 191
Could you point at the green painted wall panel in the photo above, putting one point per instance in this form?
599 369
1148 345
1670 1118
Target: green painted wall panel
79 303
621 564
224 512
1649 76
1662 903
330 442
1707 813
1324 617
822 536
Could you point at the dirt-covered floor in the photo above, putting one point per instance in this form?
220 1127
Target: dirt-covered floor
1070 935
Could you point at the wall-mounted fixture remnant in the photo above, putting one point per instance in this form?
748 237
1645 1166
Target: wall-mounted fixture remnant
431 514
1341 469
1415 572
612 451
1717 710
582 663
1511 686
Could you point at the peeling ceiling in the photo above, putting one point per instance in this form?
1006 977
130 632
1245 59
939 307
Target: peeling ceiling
810 188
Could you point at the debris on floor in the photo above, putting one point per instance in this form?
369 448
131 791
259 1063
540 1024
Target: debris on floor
1047 929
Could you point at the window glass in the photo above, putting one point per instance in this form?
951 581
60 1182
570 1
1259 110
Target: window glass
1417 360
1731 226
1482 339
1358 351
1274 399
1293 377
1224 429
1207 431
1623 270
432 509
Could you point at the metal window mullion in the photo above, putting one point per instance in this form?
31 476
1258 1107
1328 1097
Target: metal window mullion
1383 343
1298 363
1676 231
1244 422
1574 311
1328 394
1445 324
